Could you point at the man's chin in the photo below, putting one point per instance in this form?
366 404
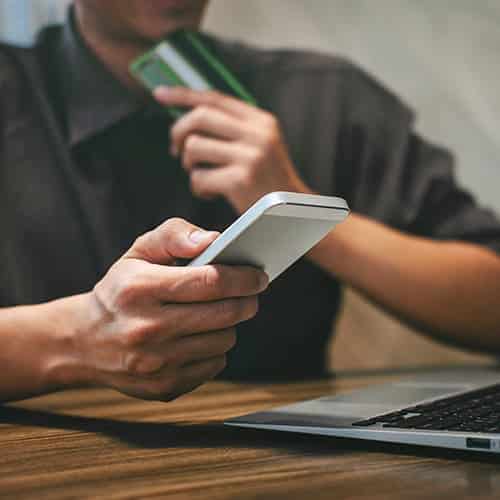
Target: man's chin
161 31
152 36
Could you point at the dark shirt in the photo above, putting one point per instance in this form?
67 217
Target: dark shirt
85 169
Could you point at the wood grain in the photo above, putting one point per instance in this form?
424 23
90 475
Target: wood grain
99 444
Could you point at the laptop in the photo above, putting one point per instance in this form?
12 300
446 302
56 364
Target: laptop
458 409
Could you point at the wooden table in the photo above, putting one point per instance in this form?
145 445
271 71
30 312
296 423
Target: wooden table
99 444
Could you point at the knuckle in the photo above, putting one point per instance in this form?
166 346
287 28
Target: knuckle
195 186
212 279
129 288
130 361
269 142
251 307
235 311
102 298
196 119
252 282
230 340
140 364
191 143
188 158
175 358
141 240
270 123
212 97
115 291
138 334
176 130
200 115
171 232
218 364
256 157
147 246
229 311
164 389
270 132
173 223
124 286
246 179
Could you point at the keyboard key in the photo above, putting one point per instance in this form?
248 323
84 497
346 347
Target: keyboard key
475 411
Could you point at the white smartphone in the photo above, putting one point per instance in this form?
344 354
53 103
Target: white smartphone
275 232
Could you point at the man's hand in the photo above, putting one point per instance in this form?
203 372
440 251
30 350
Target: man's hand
229 148
156 330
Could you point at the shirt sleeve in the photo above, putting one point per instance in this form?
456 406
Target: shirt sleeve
402 180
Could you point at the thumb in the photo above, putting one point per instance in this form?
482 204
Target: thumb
174 239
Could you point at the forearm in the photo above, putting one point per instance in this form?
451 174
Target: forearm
36 354
448 289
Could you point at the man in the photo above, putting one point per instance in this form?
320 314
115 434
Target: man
86 170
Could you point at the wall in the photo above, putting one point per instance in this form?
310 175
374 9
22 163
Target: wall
441 56
20 19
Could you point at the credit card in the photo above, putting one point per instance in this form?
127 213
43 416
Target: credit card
183 59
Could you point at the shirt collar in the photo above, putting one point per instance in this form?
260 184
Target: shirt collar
94 98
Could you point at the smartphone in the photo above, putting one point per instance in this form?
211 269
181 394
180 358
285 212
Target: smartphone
184 59
275 232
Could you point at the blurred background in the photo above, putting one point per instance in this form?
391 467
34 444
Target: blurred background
440 56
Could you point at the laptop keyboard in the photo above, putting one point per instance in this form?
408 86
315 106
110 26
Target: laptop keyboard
475 411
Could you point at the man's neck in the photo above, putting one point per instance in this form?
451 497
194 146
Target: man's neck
115 54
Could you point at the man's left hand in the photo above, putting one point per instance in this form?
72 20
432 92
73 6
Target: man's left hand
229 148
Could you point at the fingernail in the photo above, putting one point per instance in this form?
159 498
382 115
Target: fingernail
174 151
200 236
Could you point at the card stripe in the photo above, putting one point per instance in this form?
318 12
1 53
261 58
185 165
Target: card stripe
237 87
183 44
182 67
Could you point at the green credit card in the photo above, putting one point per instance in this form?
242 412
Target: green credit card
183 59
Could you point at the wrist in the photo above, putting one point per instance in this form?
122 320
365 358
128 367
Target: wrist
332 252
68 320
335 252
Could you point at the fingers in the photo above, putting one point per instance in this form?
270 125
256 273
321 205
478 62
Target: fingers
205 121
198 373
180 320
200 150
173 369
168 384
133 283
205 283
174 239
155 359
185 319
173 321
211 182
187 98
198 347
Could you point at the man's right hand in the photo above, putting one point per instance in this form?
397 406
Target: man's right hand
154 330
